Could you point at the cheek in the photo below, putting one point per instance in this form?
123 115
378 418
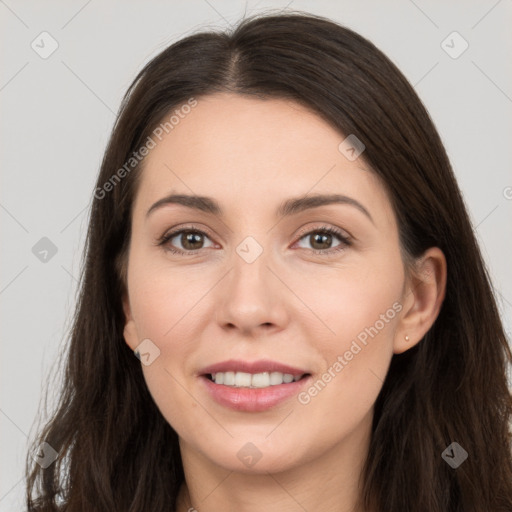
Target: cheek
361 309
167 308
351 301
163 296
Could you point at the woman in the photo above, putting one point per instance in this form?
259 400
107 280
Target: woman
278 236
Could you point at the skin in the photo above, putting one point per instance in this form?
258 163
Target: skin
290 305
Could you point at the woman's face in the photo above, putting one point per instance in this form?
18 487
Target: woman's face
256 288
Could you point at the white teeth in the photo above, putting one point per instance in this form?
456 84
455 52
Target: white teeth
256 380
243 379
287 378
229 378
260 380
276 378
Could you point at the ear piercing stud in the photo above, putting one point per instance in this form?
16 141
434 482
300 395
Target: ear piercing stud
406 338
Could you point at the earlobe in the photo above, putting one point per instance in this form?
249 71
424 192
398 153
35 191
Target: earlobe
422 298
130 331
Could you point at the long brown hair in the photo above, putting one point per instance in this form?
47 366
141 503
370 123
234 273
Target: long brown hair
115 449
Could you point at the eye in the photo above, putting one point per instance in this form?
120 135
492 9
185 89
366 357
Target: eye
321 240
189 239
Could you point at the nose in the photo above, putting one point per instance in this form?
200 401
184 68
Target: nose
251 297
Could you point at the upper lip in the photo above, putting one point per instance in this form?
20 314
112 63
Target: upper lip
260 366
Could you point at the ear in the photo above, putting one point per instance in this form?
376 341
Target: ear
130 332
422 299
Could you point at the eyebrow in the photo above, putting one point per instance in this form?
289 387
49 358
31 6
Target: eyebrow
287 208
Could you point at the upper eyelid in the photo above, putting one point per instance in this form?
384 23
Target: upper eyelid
342 232
179 230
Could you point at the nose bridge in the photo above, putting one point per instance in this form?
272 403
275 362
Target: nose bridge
250 276
250 295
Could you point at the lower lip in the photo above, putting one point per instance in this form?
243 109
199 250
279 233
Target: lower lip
253 399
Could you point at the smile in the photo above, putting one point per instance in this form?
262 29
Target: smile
256 380
252 386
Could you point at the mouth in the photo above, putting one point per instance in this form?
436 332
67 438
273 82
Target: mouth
255 386
238 379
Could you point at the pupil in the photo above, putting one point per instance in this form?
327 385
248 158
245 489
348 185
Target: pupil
324 238
191 238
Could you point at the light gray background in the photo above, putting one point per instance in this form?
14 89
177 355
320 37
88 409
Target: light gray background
57 114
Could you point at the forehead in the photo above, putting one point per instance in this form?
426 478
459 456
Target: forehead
254 151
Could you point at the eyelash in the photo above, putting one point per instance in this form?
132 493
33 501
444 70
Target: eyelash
346 242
